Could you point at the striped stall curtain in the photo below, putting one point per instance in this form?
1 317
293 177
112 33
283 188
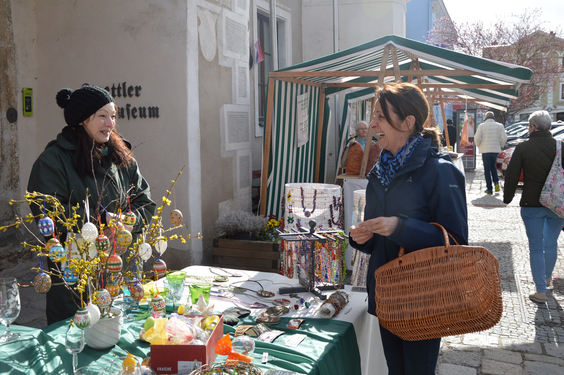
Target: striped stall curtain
288 163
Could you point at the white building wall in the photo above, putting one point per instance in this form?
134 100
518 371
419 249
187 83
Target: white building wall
113 44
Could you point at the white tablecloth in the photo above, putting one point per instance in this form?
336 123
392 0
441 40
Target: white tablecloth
365 325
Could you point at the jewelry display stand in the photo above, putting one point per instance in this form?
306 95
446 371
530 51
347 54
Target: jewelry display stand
308 280
359 260
308 201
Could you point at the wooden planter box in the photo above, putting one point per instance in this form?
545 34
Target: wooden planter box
247 255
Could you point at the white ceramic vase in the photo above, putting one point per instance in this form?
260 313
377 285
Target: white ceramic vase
106 333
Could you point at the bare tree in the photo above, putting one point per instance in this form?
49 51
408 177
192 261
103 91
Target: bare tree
520 39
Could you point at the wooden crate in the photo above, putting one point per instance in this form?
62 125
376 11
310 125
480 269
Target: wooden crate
246 255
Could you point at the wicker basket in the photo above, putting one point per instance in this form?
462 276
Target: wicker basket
231 367
439 291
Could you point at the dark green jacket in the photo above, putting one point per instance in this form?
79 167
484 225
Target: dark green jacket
534 157
54 173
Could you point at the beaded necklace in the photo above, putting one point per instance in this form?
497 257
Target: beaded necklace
306 212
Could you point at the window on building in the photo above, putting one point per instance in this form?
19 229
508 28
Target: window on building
562 91
524 116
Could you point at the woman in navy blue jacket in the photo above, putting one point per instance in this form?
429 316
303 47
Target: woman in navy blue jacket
411 186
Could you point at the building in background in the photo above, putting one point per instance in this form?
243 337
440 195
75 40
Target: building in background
181 74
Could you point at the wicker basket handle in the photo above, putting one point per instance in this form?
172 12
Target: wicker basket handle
445 233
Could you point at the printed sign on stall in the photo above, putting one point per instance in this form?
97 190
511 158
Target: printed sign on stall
302 119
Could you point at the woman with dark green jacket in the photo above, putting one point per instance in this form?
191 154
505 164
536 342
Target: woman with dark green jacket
88 155
534 157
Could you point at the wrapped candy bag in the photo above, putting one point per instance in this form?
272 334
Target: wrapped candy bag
179 332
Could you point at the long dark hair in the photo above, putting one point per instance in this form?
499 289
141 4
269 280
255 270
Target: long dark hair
87 151
406 99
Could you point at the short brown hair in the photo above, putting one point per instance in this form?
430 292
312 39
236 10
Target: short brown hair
404 99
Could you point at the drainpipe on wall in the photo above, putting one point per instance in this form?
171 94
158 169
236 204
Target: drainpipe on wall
274 35
338 125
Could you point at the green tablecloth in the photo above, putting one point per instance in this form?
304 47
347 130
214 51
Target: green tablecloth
329 348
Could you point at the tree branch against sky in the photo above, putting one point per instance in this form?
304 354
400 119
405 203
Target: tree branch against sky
520 39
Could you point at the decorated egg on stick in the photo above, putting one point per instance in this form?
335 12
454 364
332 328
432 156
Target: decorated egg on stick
46 226
176 217
160 268
124 237
102 243
115 264
89 232
82 318
42 283
145 251
129 218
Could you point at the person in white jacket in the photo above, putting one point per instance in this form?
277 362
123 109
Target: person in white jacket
489 139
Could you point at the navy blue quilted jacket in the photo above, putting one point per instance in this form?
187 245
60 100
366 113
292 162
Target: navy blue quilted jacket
428 188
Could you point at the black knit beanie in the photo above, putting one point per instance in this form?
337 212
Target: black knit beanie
82 103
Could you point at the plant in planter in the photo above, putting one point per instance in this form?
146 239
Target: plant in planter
247 241
95 261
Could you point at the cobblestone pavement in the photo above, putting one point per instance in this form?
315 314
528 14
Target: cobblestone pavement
529 339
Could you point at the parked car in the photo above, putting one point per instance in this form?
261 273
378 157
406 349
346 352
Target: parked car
504 156
522 135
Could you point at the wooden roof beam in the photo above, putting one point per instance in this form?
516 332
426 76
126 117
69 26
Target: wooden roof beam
376 73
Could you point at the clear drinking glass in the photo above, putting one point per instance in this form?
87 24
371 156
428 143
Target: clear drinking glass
9 306
74 343
176 286
127 302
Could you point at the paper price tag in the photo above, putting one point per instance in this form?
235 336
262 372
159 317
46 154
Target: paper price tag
184 366
265 357
295 340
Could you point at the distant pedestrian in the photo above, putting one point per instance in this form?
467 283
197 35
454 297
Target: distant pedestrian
535 157
489 139
451 131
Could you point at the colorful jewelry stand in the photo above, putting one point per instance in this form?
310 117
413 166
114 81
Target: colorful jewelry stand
308 283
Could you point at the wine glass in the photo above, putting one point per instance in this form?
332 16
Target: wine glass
175 286
127 302
74 343
9 306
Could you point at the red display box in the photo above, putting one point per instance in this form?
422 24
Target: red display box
182 359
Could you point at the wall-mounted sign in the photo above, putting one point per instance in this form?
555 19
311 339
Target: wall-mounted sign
27 101
129 111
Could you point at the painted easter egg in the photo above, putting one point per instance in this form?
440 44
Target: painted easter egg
69 276
161 244
120 249
52 242
89 232
158 304
145 251
160 268
124 237
103 299
129 218
94 313
114 290
136 290
46 226
115 264
82 318
176 217
56 252
102 243
42 283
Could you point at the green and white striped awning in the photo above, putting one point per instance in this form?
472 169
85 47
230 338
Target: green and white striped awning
442 74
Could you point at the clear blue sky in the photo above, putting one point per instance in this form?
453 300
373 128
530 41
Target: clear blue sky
490 10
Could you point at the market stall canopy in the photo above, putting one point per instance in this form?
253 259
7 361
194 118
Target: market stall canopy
492 82
443 75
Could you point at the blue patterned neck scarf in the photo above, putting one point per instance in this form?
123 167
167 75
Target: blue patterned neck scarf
388 164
